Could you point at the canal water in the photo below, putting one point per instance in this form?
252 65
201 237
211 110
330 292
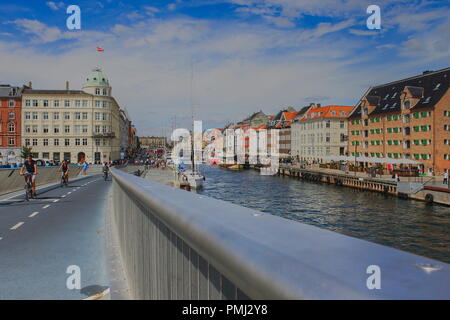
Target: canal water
407 225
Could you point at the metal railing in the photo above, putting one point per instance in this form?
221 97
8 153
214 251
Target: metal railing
181 245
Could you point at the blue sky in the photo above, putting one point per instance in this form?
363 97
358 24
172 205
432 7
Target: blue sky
248 55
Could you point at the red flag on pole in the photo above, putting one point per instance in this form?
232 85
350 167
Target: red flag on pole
99 49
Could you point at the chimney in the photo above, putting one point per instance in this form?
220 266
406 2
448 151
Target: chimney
30 84
67 85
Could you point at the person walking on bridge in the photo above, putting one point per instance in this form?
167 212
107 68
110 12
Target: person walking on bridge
29 169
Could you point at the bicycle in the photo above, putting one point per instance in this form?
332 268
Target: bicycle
63 180
28 187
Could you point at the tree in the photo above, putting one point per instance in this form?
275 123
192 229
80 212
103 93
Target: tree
26 151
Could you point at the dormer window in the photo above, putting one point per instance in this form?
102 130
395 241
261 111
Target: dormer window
394 95
406 104
427 100
437 87
97 91
387 96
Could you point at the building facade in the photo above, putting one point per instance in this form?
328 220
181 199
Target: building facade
74 125
153 142
405 119
321 132
10 124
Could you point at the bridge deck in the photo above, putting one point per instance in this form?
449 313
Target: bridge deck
41 238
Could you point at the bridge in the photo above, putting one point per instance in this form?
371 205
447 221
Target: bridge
134 238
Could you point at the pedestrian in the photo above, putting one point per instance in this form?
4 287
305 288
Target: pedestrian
397 178
85 167
445 177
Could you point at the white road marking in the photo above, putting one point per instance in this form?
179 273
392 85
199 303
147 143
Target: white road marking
45 207
56 200
63 196
69 192
1 238
74 190
33 214
17 226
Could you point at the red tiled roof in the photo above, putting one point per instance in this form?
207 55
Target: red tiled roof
328 112
289 116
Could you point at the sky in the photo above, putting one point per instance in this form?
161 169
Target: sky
239 56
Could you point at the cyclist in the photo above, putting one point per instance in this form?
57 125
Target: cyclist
64 169
105 170
30 167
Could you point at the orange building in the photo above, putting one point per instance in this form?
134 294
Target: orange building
406 119
10 120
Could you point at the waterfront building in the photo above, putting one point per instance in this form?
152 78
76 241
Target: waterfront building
321 132
405 119
10 124
278 122
124 128
287 118
74 125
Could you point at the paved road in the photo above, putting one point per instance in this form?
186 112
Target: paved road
40 239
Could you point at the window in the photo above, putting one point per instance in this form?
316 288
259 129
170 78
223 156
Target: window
97 142
97 103
104 116
97 116
85 142
104 92
35 103
45 103
66 115
35 129
77 142
27 142
66 103
45 129
55 115
78 115
104 104
77 129
85 103
77 103
104 129
67 142
27 129
97 129
56 129
11 141
45 142
27 115
85 115
12 116
427 100
11 127
56 142
35 142
56 103
85 129
11 103
406 104
97 91
327 124
35 116
27 103
342 124
67 129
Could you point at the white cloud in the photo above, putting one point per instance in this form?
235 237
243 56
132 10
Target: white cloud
55 5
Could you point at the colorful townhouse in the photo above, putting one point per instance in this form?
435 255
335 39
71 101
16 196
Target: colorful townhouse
405 119
10 124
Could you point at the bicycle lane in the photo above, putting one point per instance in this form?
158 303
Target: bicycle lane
43 237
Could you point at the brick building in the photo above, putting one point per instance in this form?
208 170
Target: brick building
405 119
10 124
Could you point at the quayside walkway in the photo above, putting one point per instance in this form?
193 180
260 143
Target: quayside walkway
175 244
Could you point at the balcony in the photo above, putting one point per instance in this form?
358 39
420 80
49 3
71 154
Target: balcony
104 135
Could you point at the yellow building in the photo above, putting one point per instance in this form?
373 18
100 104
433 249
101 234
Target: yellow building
74 125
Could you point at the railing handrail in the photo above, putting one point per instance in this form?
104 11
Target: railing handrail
269 257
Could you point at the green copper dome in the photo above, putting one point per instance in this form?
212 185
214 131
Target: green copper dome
96 79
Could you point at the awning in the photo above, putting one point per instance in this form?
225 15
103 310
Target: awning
371 160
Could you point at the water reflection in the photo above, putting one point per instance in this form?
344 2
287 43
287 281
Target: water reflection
404 224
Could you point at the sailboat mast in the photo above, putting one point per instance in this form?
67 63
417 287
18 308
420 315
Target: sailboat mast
192 113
